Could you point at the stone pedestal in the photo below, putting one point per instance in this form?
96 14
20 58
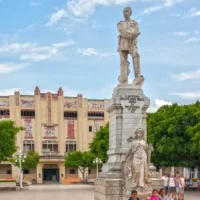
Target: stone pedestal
107 189
127 111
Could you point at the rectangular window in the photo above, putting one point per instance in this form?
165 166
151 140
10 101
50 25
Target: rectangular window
28 146
49 146
26 171
9 171
191 172
72 171
70 115
94 115
4 113
70 146
89 171
90 128
28 113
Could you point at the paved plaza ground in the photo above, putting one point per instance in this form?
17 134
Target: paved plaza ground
63 192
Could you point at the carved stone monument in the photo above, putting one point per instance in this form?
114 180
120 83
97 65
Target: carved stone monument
128 167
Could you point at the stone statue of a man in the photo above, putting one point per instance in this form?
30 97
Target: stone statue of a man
128 33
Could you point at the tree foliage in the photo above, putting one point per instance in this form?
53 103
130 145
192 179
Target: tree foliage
174 132
8 132
30 162
100 144
80 160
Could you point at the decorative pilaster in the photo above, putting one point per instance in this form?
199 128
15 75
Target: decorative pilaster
38 133
61 134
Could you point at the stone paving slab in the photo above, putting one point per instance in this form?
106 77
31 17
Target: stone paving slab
63 192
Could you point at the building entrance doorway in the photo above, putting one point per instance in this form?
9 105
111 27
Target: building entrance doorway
51 174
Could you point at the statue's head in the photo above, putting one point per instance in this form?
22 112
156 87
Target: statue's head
139 133
127 12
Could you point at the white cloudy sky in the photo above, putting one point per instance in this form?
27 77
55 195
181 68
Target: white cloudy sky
73 44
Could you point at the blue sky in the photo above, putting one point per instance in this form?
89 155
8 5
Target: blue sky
73 44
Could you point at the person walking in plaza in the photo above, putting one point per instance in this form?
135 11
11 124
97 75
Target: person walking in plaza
171 187
165 178
181 187
198 184
154 195
162 195
176 179
134 195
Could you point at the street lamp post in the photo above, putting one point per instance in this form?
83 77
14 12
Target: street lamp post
97 161
19 157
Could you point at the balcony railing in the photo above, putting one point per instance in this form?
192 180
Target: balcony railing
51 155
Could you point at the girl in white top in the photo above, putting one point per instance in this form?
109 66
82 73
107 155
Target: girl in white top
172 188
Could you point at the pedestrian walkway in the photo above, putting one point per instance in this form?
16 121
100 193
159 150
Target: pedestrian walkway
63 192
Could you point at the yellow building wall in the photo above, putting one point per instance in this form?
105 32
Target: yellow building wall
59 104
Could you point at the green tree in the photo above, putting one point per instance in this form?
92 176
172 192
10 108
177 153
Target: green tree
100 143
30 162
174 132
8 132
80 160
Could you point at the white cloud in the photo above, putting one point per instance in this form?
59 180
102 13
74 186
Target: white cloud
35 57
91 52
79 9
183 76
56 17
175 15
181 33
192 40
28 27
33 51
63 44
188 95
151 9
34 3
193 12
11 91
10 67
158 103
165 4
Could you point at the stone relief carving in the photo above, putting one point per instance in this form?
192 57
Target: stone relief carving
127 44
135 167
72 104
4 103
95 106
70 128
28 127
50 131
96 126
49 108
27 103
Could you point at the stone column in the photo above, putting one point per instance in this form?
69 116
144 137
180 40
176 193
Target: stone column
61 134
172 170
39 173
161 172
17 111
38 122
184 172
62 172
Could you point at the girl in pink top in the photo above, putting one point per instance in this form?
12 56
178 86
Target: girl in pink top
154 195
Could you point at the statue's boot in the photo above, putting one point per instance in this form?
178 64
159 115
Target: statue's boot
124 72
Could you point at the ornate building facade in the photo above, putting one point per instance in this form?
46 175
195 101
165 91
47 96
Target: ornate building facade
53 126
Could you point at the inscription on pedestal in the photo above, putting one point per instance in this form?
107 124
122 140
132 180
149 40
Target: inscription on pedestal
132 99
